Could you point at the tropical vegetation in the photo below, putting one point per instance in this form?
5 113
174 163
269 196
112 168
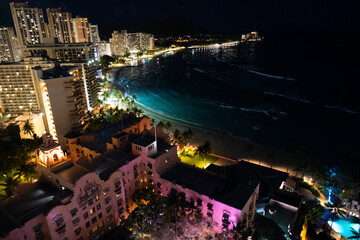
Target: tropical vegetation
17 164
173 217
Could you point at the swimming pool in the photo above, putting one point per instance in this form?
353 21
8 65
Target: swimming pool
344 226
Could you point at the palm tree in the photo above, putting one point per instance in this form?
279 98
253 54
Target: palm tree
27 170
118 94
191 209
177 137
106 95
300 166
288 160
126 101
249 149
356 234
260 154
203 150
28 128
335 213
355 220
188 135
315 169
9 183
313 211
137 111
271 158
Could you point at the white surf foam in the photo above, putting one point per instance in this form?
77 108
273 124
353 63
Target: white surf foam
269 75
340 108
288 97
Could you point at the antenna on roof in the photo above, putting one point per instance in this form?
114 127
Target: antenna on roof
155 131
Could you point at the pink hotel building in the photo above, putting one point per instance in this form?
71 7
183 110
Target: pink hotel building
88 193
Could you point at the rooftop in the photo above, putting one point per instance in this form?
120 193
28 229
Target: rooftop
270 179
144 141
57 71
290 198
105 165
266 228
104 135
72 173
120 134
41 198
220 188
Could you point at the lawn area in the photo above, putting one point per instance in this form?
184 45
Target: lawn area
192 159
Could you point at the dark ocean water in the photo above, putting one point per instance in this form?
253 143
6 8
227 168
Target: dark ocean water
287 94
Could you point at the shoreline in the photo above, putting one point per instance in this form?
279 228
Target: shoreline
224 144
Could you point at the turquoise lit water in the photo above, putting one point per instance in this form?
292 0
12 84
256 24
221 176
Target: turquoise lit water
344 226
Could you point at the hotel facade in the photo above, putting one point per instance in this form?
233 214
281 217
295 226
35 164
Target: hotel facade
92 187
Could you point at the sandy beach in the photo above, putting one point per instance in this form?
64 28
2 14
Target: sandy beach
225 145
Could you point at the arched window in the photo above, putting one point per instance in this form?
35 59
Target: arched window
55 157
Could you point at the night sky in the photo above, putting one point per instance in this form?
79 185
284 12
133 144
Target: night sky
214 16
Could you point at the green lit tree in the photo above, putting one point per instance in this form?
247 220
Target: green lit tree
9 183
28 128
313 211
26 170
203 150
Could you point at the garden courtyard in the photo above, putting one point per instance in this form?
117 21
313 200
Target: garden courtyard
190 157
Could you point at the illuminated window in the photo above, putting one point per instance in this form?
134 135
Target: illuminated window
91 211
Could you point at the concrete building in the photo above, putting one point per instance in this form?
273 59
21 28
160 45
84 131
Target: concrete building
134 42
63 51
94 33
36 120
14 127
123 42
17 86
62 94
29 23
119 43
64 98
9 48
104 48
60 25
107 167
81 30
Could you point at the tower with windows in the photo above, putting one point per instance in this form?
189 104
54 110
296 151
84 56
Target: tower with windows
50 151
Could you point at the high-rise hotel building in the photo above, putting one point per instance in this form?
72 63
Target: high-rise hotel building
123 42
29 23
62 99
9 48
17 86
94 33
119 44
81 29
60 25
63 94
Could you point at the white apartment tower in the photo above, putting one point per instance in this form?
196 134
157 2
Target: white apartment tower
94 33
60 25
29 23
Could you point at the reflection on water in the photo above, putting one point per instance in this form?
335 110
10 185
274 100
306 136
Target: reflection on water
248 91
344 227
